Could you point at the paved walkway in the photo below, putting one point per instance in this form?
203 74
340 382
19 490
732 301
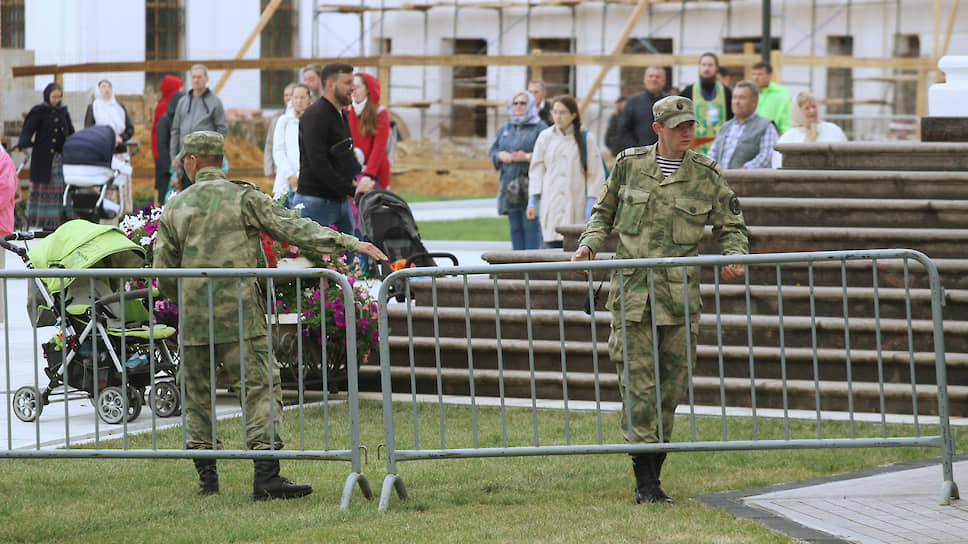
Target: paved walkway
888 505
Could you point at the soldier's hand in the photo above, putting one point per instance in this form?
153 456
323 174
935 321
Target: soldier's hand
371 250
732 272
583 253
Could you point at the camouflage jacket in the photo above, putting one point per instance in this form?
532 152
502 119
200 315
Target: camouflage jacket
663 217
215 224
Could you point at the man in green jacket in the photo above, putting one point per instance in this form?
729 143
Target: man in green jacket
215 223
659 198
774 100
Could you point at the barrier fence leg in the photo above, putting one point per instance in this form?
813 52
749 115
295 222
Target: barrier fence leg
351 481
391 482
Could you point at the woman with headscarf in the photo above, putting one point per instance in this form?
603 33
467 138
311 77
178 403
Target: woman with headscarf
169 86
106 110
370 127
511 154
567 172
46 127
806 127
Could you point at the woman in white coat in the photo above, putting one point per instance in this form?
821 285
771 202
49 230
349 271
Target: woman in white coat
285 144
806 126
566 172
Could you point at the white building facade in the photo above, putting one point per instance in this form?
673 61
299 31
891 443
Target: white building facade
82 31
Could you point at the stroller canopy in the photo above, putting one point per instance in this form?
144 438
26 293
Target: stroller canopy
82 244
93 145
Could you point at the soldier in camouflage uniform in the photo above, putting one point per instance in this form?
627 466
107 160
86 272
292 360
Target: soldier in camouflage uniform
215 224
660 215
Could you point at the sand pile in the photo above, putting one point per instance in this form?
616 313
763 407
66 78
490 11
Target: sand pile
479 183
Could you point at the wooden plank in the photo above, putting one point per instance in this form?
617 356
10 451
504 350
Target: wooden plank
263 21
749 48
616 49
947 34
545 59
282 63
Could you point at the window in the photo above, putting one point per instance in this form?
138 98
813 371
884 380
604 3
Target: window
631 76
164 25
557 79
12 19
840 81
276 40
735 45
469 83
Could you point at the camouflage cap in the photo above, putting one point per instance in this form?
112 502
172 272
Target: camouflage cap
203 142
672 111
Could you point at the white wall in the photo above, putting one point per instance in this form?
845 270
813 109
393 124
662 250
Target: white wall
216 29
71 32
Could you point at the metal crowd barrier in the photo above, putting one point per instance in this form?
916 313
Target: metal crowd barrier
76 432
488 375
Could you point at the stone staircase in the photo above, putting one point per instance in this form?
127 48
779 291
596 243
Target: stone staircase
539 324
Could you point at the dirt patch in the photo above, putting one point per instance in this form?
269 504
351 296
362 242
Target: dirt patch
464 183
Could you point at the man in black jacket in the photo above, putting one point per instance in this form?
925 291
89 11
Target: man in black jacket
635 123
327 164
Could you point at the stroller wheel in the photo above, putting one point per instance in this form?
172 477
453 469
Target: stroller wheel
164 399
110 404
27 405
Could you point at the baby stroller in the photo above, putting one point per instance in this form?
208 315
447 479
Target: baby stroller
93 353
91 171
387 222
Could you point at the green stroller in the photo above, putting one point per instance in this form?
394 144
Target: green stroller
94 354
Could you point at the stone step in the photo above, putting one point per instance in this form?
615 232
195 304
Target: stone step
815 183
764 300
898 156
737 329
953 272
768 362
855 212
707 391
936 243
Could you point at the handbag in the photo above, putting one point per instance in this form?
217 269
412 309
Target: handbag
515 191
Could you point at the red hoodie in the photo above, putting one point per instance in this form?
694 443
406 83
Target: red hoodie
169 86
374 146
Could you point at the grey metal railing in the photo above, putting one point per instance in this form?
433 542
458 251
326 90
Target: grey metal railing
101 369
848 350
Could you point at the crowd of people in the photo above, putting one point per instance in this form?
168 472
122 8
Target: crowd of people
549 165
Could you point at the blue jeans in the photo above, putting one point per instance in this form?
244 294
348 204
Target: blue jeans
328 213
525 233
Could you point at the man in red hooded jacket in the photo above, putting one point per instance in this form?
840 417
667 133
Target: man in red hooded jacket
370 125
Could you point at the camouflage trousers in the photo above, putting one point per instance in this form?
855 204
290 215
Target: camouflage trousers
263 420
639 402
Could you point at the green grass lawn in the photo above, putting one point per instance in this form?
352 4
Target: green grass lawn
491 229
525 499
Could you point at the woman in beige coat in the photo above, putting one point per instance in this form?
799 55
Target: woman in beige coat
566 172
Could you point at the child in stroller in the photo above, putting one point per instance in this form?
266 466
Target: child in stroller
95 353
91 171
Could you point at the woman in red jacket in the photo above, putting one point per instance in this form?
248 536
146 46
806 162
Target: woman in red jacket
370 125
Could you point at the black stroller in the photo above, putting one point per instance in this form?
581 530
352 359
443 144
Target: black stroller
387 222
92 172
94 354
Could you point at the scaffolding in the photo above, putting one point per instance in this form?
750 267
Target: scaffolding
372 32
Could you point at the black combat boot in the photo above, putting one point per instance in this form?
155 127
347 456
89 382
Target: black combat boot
207 476
647 489
267 483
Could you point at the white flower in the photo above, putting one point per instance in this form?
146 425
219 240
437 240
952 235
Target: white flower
146 241
299 206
